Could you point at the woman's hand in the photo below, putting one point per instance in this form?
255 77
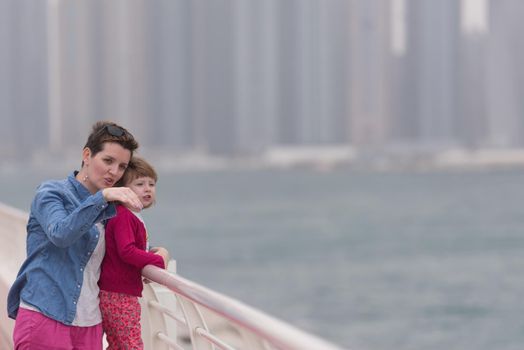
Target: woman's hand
163 253
124 195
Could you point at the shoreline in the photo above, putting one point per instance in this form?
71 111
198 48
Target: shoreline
320 159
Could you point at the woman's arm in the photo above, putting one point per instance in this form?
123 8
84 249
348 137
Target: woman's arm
61 225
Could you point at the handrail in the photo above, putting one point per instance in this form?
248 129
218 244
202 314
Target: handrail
170 306
269 329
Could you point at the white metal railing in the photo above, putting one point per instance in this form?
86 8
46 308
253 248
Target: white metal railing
176 312
12 254
211 320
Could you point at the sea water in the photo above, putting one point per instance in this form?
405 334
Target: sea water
371 261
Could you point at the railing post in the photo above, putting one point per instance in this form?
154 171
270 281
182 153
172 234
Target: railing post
194 320
152 320
12 251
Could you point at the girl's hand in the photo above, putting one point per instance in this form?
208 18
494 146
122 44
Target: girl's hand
163 253
124 195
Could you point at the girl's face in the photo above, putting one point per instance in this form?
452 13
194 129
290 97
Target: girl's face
105 168
145 189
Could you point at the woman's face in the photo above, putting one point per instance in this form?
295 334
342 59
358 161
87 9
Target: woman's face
106 167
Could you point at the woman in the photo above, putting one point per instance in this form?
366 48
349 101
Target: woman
54 298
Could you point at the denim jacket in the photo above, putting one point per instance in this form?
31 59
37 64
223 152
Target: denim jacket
61 235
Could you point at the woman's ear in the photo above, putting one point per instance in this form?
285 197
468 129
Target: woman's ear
86 155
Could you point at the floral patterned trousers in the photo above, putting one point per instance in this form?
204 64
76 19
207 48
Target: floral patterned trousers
121 320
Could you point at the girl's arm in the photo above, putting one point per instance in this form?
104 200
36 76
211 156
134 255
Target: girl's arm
123 228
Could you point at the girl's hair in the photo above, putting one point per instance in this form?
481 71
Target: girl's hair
137 167
106 131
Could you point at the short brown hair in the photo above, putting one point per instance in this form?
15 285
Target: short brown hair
137 167
106 131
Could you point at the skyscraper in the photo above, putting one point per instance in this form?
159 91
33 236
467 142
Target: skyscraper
369 93
505 82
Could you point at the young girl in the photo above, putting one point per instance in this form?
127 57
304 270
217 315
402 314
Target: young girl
127 252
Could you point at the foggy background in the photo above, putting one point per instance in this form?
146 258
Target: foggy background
239 78
373 260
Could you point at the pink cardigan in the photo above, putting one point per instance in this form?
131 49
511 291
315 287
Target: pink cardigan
126 254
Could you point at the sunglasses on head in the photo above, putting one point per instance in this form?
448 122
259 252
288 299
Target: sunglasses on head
113 130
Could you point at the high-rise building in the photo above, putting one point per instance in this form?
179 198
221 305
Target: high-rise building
505 77
23 78
430 70
8 136
169 70
329 121
369 93
472 74
255 73
213 81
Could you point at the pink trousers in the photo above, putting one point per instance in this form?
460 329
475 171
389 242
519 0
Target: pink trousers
34 331
121 321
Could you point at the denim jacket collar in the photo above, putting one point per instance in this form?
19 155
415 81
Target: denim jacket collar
81 190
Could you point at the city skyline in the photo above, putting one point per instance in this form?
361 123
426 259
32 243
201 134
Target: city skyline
242 77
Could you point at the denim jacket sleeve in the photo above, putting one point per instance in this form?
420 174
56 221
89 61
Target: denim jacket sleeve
65 218
61 236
